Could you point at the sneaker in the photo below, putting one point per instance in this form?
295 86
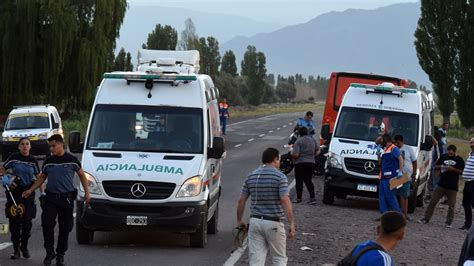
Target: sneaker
297 201
464 228
448 225
49 259
422 221
312 202
60 260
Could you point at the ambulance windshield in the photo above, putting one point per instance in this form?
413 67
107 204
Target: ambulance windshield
146 129
368 124
27 121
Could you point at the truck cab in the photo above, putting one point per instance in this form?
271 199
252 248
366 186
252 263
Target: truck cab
366 112
153 150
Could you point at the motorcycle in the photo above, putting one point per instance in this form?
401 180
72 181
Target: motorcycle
287 163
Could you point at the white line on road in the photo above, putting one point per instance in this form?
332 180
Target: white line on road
291 123
238 145
235 256
271 131
4 245
292 185
284 125
278 128
261 135
252 139
74 215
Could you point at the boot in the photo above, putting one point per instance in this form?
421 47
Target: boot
25 252
49 259
16 252
60 260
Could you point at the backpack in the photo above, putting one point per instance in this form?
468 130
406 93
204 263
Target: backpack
351 260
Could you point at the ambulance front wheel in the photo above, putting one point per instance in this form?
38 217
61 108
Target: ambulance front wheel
328 197
83 236
199 238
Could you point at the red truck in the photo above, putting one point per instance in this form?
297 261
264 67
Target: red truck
338 85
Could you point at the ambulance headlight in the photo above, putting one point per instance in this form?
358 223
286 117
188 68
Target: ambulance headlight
335 161
94 187
190 188
43 136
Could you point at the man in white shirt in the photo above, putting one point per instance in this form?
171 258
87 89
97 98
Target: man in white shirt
409 168
468 192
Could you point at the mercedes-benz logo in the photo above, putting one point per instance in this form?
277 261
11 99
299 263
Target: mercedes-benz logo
138 190
143 156
369 166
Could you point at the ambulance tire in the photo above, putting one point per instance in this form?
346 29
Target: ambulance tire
419 199
199 238
214 222
328 197
412 200
83 236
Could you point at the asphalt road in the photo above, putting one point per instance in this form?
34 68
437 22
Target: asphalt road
245 141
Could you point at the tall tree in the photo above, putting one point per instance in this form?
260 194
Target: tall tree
189 38
435 46
228 63
465 75
123 61
162 38
213 56
255 71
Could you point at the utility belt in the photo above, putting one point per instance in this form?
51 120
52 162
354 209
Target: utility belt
268 218
66 195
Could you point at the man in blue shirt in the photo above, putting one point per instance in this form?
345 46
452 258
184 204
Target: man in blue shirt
391 166
59 169
389 233
307 122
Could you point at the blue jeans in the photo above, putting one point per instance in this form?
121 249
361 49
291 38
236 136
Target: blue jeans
387 198
223 123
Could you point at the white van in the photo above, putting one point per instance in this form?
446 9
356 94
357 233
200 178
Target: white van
37 122
153 150
366 112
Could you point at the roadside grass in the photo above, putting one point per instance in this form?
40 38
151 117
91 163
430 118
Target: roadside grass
77 121
456 130
268 109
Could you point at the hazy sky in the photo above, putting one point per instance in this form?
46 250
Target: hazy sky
283 12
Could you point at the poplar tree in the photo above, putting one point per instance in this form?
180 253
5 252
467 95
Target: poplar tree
228 63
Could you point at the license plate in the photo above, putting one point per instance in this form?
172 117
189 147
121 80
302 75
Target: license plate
370 188
137 220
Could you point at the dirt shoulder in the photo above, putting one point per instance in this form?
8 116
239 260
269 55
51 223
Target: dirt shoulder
332 231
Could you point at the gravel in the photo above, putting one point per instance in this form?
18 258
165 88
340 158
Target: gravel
333 231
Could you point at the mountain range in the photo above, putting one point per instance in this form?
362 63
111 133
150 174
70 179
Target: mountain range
377 41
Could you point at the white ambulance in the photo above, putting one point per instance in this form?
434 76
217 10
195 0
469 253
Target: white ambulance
153 150
366 112
37 122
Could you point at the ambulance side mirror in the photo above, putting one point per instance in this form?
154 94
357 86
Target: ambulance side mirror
75 144
427 144
325 132
217 149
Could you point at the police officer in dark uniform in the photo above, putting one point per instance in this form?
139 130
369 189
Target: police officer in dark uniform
59 169
20 212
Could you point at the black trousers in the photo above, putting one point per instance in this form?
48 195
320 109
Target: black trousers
467 199
21 217
304 174
62 208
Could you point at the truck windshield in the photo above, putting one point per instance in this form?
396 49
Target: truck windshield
367 124
146 128
27 121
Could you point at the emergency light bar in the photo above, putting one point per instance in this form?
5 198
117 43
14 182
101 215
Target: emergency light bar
383 88
148 76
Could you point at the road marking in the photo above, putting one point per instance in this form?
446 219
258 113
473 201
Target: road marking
4 245
292 184
284 125
235 256
261 135
252 139
238 145
291 123
271 131
278 128
74 215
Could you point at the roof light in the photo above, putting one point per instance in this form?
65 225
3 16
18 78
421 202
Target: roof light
383 88
147 76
